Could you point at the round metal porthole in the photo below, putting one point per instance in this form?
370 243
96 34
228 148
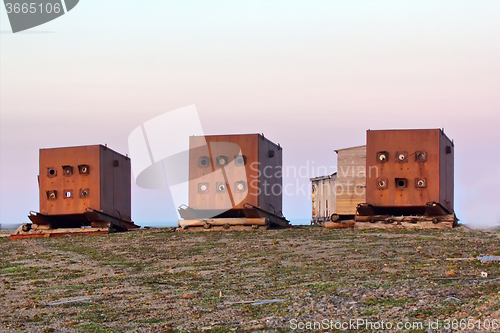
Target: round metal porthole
222 160
420 182
83 169
420 156
204 162
67 170
51 195
401 183
221 187
402 156
84 193
382 156
382 183
51 172
203 187
68 194
240 186
239 160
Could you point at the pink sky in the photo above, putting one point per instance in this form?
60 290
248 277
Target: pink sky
313 76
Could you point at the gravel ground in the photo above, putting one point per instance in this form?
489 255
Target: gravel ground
156 280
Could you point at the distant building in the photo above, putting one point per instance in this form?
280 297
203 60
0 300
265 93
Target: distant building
323 198
338 195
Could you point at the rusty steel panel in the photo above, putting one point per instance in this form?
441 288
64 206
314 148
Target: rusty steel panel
409 168
72 179
446 173
270 181
226 172
115 183
62 181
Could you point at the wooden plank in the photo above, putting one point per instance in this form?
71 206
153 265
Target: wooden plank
59 233
403 225
409 219
223 229
339 225
261 221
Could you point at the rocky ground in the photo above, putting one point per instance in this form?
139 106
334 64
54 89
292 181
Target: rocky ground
158 280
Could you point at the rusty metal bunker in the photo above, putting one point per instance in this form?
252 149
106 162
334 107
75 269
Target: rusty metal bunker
234 177
84 186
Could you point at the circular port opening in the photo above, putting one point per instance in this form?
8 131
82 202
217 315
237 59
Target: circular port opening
84 170
381 183
222 187
203 162
239 160
203 188
421 157
382 157
84 193
52 172
68 194
401 183
240 187
52 195
222 161
401 157
421 182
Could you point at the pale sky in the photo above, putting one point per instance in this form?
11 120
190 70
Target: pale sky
311 75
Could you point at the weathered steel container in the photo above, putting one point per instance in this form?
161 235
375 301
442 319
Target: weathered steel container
84 186
232 176
409 172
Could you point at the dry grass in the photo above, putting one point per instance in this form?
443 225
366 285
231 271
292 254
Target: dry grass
156 280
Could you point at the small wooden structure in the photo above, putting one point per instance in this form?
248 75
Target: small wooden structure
351 180
335 197
323 198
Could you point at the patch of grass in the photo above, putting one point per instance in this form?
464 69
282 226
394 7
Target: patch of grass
93 327
6 265
22 270
386 302
330 287
489 288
